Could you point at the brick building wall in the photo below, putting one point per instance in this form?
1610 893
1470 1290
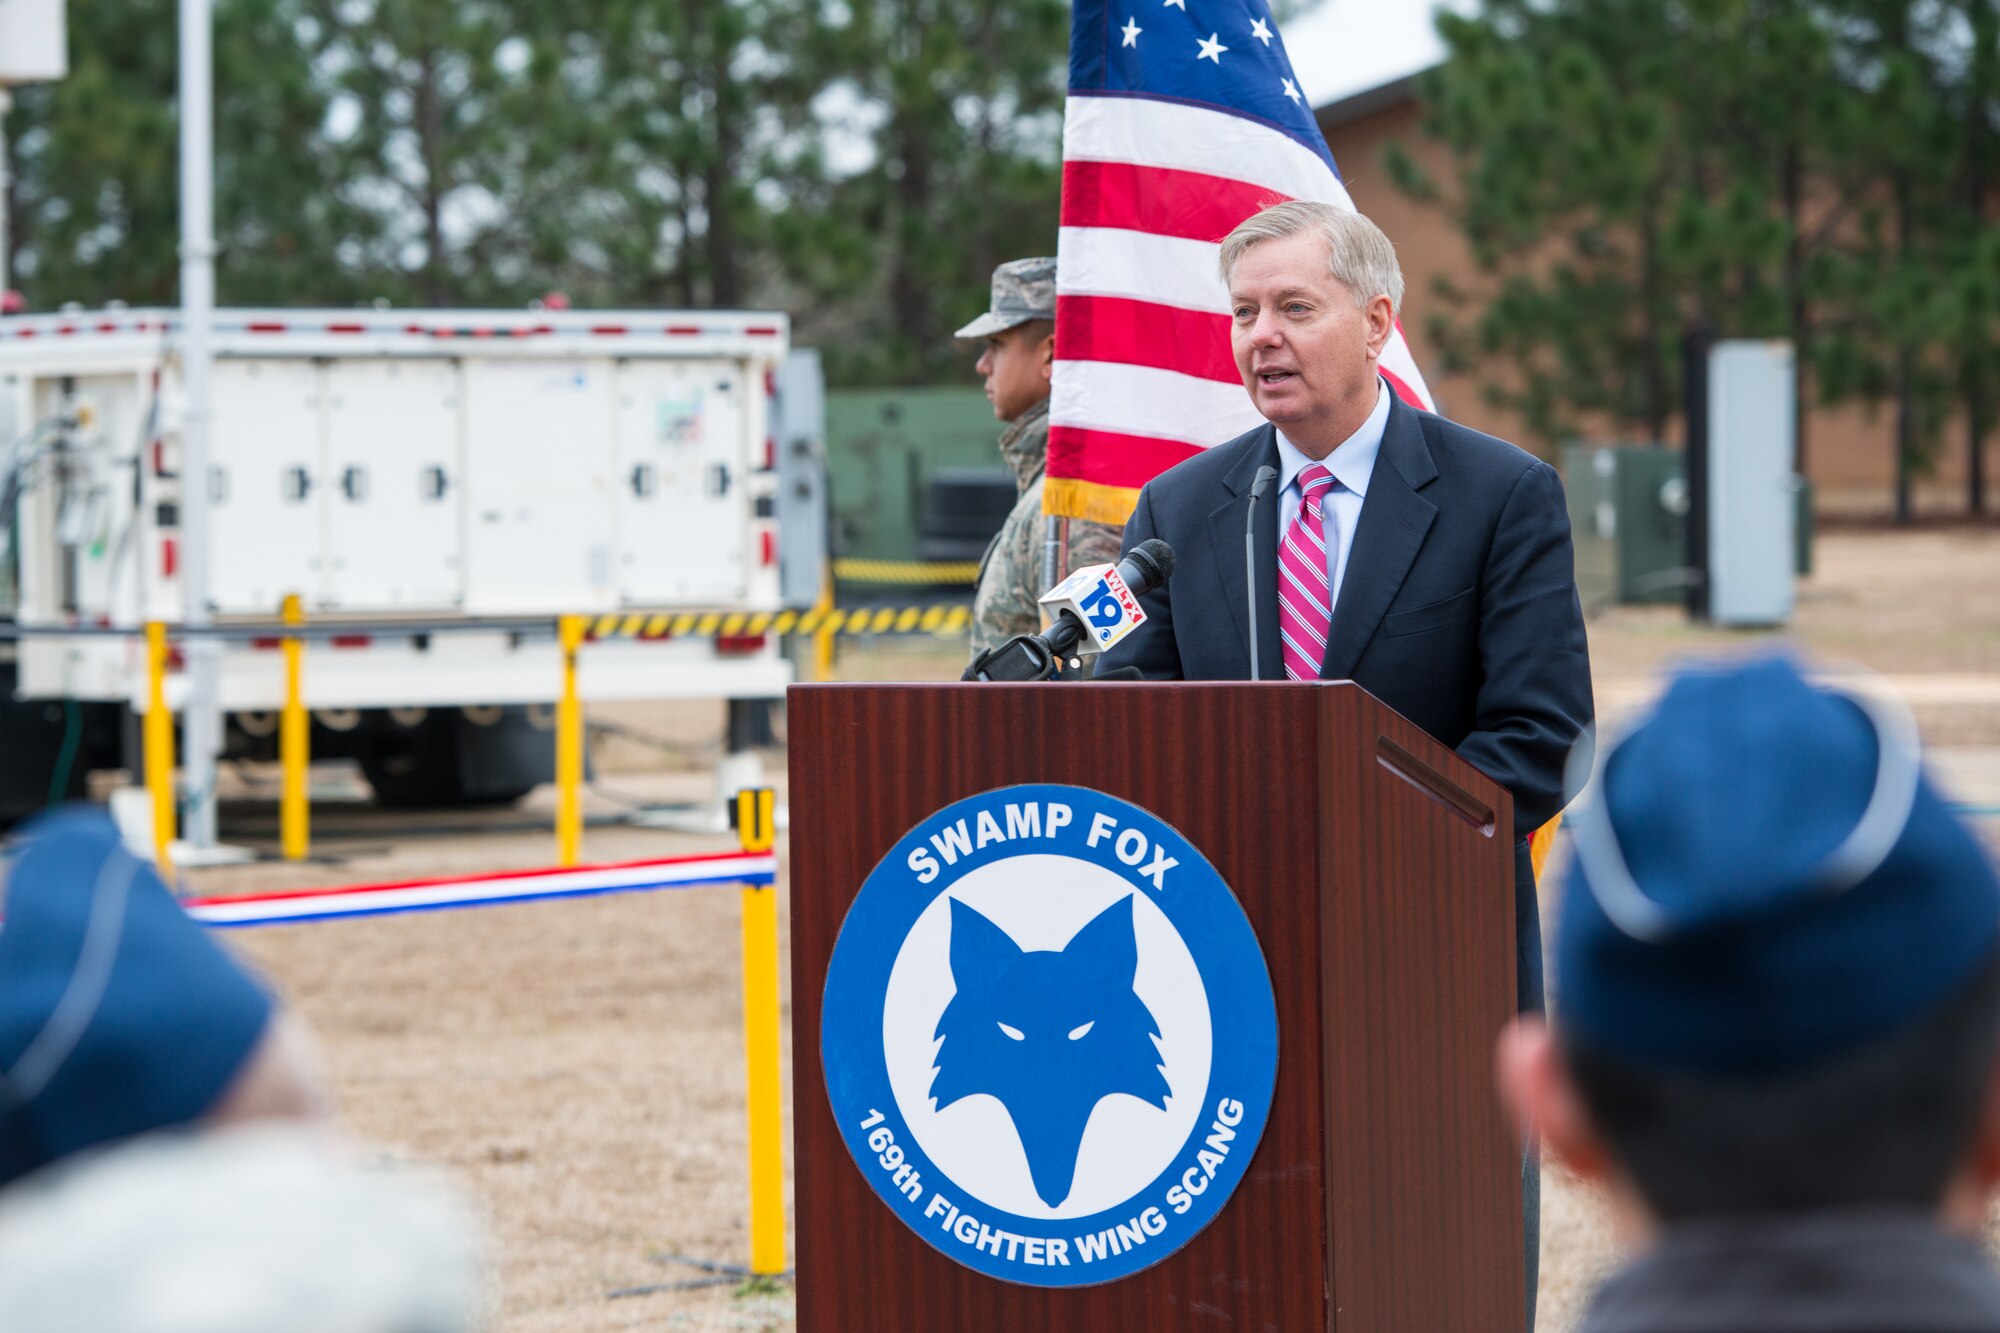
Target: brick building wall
1850 452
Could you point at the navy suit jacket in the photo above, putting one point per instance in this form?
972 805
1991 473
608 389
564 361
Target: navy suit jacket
1458 607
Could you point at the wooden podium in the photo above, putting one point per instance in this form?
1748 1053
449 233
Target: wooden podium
1377 870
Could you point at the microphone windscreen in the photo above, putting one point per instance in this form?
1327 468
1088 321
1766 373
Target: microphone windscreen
1156 558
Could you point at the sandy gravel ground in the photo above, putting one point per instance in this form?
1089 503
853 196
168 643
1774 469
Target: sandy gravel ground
579 1065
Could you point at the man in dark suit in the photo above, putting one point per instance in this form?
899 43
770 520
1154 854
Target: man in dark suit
1442 554
1424 561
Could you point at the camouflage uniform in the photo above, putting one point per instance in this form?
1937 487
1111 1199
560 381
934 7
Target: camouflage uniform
1010 574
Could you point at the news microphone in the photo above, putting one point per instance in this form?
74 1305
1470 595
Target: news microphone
1094 607
1265 476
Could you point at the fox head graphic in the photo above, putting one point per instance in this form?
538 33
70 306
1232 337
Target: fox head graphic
1051 1033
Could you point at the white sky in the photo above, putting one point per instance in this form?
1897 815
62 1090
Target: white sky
1344 47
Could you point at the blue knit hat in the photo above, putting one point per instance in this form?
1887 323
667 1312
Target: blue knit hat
1763 878
118 1014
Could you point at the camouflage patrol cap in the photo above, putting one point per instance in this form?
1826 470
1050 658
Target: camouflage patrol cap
1023 289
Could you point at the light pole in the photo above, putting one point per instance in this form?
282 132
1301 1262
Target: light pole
6 186
201 718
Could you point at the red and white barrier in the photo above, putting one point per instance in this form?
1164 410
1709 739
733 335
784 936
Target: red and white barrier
513 886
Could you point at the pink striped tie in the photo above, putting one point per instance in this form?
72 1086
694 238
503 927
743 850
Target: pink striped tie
1305 600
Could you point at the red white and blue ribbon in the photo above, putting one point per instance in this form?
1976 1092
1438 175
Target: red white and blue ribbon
513 886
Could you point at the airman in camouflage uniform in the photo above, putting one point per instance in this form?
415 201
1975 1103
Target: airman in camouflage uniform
1019 333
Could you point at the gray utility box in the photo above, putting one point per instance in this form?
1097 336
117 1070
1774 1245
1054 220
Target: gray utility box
1628 515
1752 490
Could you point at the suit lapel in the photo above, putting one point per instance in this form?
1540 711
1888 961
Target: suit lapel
1225 530
1394 522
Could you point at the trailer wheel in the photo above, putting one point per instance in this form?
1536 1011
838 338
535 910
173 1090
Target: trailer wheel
447 761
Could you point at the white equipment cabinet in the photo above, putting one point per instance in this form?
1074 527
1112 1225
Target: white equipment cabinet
1752 490
424 468
395 462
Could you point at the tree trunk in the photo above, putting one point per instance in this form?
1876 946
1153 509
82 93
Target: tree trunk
725 284
1978 144
1975 437
909 289
1906 441
430 135
1798 315
684 253
909 292
1651 348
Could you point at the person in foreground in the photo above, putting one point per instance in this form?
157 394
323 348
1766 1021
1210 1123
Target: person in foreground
1776 1036
269 1226
120 1016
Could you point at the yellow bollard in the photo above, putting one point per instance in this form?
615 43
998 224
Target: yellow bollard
159 741
823 640
294 742
756 821
569 746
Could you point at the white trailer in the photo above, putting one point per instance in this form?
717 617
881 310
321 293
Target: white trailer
406 472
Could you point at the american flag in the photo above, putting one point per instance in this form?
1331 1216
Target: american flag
1184 118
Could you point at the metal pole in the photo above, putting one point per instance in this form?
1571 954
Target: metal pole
203 739
159 746
6 181
756 826
569 748
294 742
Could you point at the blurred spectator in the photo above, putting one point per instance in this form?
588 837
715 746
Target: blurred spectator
251 1229
120 1015
1777 1003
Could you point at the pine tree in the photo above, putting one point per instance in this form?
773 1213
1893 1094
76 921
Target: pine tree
95 208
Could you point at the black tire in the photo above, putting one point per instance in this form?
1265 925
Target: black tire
446 761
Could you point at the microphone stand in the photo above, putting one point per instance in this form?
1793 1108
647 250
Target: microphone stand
1265 476
1027 656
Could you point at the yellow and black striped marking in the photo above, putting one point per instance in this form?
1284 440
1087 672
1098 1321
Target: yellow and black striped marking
937 619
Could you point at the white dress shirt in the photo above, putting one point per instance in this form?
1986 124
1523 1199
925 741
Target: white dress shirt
1352 463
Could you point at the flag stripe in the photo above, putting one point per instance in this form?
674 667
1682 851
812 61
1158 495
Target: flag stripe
1397 384
1161 201
1108 458
1142 400
1143 333
1158 133
1102 261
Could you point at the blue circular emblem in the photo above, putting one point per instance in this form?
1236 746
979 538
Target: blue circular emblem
1049 1036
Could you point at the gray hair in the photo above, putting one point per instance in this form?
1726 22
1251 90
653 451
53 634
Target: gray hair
1358 255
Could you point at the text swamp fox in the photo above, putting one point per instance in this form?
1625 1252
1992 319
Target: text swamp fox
1050 822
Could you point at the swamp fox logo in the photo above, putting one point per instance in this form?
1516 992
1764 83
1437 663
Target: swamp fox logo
1050 1033
1048 1039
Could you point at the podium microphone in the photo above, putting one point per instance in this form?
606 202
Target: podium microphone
1094 608
1265 476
